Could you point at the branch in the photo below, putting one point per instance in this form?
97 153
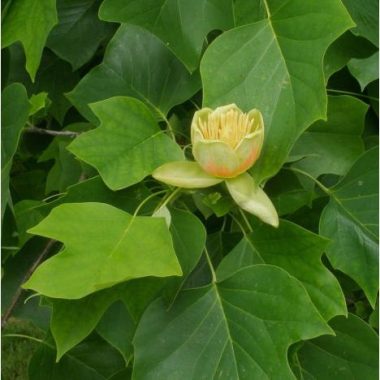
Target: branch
32 129
17 295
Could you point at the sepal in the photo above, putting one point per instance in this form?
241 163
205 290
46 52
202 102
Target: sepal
252 198
185 174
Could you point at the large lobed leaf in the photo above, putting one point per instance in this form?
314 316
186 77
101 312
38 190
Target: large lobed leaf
128 145
112 247
73 320
295 250
275 65
239 328
350 220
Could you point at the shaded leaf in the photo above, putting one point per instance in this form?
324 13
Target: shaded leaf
29 21
350 221
127 69
344 48
260 66
66 169
365 70
92 360
182 25
132 144
295 250
365 13
15 112
240 328
117 327
56 77
112 247
333 146
352 354
79 31
73 320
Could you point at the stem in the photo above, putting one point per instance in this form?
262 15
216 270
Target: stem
167 199
147 199
19 291
246 220
170 128
194 104
323 187
23 336
239 224
210 265
32 129
352 93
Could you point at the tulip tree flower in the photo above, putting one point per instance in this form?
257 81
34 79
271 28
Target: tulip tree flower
226 143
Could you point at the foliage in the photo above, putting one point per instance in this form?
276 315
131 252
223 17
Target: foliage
130 278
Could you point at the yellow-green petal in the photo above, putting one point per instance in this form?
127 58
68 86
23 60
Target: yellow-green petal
252 198
202 115
185 174
216 158
249 149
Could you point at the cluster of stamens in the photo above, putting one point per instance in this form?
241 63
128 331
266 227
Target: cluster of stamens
230 127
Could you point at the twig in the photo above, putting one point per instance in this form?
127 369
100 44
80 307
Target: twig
32 129
19 291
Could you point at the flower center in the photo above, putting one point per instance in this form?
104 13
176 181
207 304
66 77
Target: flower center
230 127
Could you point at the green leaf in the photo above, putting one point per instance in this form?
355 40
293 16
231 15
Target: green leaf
240 328
287 193
272 66
30 212
79 31
128 69
347 46
55 77
132 143
333 146
350 221
15 112
38 102
112 247
185 174
66 170
182 25
29 21
189 239
365 13
117 327
365 70
92 360
295 250
248 12
352 354
73 320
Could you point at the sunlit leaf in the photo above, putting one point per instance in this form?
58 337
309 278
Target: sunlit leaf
275 65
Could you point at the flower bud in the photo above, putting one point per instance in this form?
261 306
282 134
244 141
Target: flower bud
226 141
